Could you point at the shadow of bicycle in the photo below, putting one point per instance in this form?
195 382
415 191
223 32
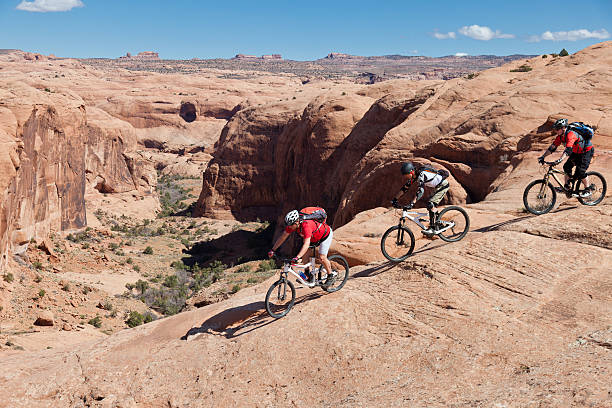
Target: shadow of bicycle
240 320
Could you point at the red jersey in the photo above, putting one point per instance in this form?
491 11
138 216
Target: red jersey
571 139
311 229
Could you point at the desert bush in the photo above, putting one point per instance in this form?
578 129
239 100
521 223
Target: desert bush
148 251
8 277
235 288
134 319
96 322
37 265
41 293
522 68
563 53
171 281
266 265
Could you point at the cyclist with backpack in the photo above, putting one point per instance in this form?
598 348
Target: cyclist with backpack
426 177
576 137
311 226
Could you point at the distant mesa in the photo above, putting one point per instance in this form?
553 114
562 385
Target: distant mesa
338 55
141 56
255 57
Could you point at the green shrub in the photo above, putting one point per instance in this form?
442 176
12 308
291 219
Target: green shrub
41 293
235 288
8 277
37 265
171 281
522 68
134 319
563 53
96 322
267 265
148 251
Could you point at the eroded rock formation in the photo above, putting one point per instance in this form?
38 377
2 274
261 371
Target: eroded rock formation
343 152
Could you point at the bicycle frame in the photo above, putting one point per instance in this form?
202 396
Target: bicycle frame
416 219
552 173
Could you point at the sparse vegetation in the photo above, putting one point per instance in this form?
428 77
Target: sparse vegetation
563 53
96 322
148 251
41 293
522 68
8 277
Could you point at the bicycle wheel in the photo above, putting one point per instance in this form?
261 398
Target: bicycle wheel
454 222
397 243
341 267
599 186
278 301
539 197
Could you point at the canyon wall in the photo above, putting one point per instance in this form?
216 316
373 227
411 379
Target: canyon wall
343 151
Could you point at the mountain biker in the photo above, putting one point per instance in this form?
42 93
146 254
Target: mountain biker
426 177
317 233
580 153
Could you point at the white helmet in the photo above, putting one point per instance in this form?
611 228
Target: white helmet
292 217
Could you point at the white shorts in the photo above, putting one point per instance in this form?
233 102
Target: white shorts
324 246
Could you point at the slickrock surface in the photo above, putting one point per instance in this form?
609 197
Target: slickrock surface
502 318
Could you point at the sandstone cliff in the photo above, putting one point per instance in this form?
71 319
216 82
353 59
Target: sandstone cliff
343 151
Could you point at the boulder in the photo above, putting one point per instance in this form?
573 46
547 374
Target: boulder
44 318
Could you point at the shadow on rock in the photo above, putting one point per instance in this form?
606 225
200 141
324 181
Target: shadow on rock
236 321
234 248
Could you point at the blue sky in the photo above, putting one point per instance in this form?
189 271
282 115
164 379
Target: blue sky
184 29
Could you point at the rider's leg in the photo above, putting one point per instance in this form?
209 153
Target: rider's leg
582 166
324 249
568 168
434 200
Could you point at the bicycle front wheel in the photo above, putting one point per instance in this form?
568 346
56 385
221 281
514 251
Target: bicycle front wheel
539 197
397 243
280 298
454 223
341 267
597 184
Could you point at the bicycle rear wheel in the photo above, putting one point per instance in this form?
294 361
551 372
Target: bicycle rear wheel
454 222
279 300
397 243
539 197
598 189
341 267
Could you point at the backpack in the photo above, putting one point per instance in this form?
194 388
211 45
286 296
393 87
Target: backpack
582 129
442 172
317 214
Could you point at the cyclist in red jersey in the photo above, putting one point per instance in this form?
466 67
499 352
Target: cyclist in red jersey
317 233
580 152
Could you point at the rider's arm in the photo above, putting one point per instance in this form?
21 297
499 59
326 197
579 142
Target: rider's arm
405 188
420 189
280 240
304 248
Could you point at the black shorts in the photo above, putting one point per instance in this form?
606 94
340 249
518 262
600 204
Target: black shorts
581 161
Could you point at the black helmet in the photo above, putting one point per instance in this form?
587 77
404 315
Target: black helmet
560 123
407 168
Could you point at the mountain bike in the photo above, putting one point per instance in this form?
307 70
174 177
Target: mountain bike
451 225
540 196
281 295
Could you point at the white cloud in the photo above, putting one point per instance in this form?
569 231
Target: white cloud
442 36
49 5
482 33
573 35
461 54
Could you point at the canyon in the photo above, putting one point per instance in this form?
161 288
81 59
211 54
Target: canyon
503 318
